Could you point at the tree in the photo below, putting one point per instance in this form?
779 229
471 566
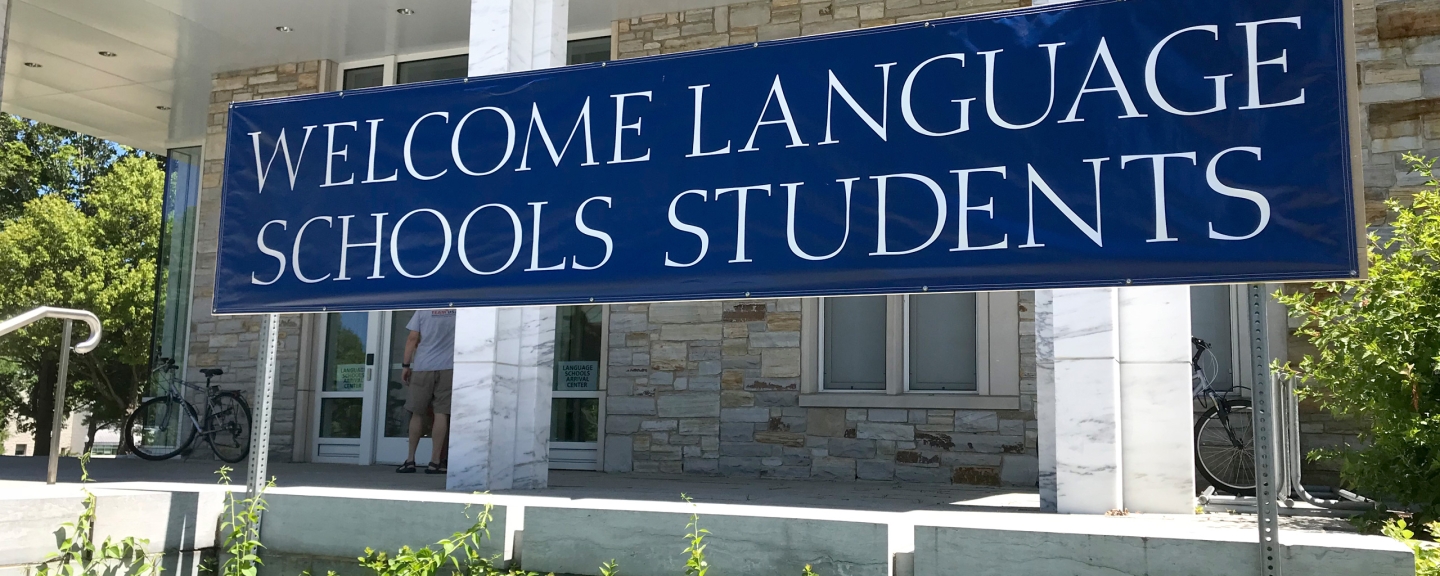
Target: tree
38 159
1378 356
95 251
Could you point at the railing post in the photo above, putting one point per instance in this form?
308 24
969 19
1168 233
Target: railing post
1267 479
255 477
57 424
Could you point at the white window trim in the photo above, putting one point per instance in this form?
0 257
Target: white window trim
997 356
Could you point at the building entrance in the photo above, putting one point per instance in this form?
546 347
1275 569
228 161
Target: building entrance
360 402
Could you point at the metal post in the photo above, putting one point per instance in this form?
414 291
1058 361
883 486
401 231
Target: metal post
255 477
1267 480
57 424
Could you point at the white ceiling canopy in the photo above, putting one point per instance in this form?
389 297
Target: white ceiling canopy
138 71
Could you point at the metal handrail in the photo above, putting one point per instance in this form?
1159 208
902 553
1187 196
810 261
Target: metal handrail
32 316
69 315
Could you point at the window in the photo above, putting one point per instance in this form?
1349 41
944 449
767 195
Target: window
1211 320
20 449
940 343
923 350
177 255
587 51
442 68
855 343
367 77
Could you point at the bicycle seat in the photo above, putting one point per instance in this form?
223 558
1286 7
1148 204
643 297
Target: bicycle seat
211 372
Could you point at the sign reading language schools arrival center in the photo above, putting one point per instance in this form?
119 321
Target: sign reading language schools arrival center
1096 144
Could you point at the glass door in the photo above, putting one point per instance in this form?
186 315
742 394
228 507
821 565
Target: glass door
347 375
575 406
394 438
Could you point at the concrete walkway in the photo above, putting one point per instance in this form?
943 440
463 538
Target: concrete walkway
19 474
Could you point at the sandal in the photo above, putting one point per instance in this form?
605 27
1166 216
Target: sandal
434 468
407 468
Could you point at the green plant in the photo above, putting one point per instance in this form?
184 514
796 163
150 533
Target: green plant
460 552
78 555
695 565
1378 356
808 571
241 525
1427 555
610 568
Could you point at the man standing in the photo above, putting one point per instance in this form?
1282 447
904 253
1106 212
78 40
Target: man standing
428 372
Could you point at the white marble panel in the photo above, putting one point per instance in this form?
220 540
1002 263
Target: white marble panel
1155 324
1045 395
1085 323
1158 452
1088 468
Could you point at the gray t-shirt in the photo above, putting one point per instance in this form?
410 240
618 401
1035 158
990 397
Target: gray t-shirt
437 339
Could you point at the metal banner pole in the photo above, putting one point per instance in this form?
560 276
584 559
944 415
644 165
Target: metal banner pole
255 477
57 424
1267 480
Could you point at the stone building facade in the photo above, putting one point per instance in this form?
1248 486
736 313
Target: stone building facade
715 388
718 387
232 343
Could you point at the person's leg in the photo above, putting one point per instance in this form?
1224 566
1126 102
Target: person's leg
421 391
438 435
417 428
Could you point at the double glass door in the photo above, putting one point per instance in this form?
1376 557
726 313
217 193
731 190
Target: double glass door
360 407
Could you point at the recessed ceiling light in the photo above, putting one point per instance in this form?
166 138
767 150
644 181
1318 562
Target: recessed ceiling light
162 107
34 65
108 54
284 28
405 12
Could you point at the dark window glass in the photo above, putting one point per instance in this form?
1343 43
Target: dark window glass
433 69
366 77
587 50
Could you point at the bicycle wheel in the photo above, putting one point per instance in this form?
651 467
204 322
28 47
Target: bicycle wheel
1226 457
227 427
159 428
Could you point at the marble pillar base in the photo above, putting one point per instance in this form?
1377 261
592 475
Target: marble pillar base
500 420
1158 446
1113 390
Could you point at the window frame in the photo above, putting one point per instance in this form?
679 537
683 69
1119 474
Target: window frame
997 360
391 63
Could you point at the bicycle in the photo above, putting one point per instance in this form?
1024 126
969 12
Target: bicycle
1224 433
158 428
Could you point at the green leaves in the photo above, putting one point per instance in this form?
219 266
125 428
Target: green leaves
77 553
1427 554
1377 356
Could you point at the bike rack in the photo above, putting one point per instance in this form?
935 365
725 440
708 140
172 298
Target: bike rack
69 315
1289 463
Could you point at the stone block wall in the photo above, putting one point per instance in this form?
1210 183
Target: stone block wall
1398 49
714 388
233 342
741 23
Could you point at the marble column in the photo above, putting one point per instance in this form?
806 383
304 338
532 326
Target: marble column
500 431
1086 371
505 357
1156 419
1114 400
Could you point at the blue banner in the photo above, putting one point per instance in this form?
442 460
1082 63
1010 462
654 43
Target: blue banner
1100 143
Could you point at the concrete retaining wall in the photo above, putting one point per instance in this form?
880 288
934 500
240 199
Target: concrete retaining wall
577 541
1139 547
307 531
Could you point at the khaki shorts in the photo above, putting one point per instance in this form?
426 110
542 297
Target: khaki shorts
427 388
